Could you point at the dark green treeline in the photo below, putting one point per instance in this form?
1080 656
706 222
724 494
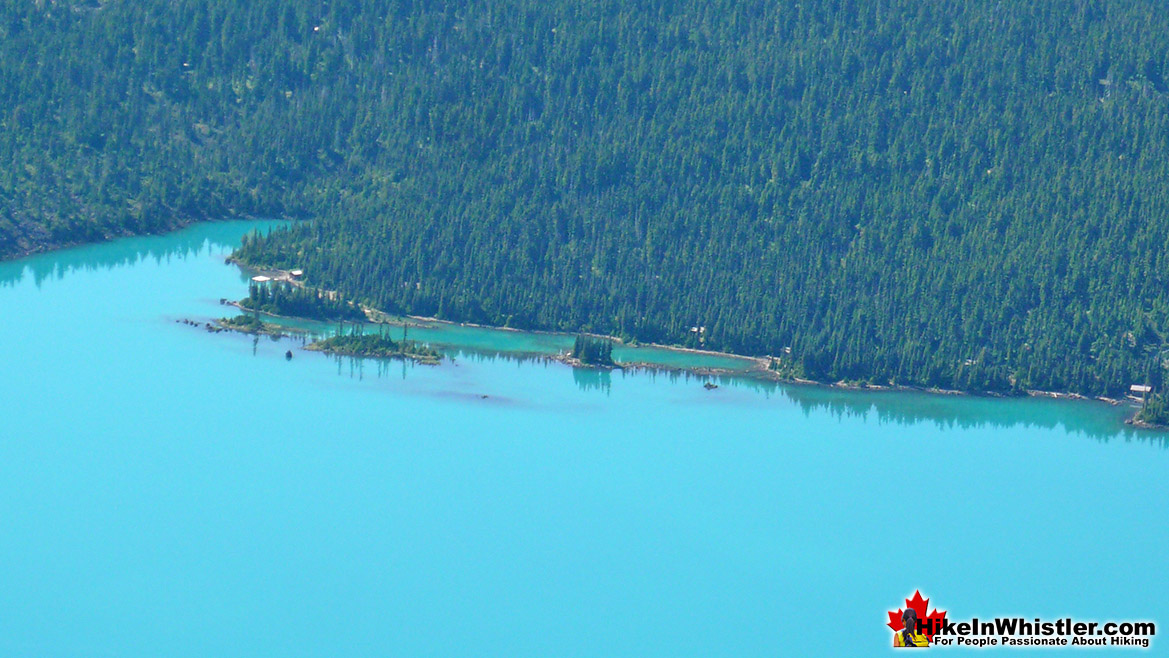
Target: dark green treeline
970 195
281 298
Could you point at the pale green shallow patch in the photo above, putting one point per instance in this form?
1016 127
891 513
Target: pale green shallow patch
506 341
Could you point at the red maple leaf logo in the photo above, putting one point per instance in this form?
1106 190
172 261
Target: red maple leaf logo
919 606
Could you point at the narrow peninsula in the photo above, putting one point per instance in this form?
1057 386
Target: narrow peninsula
291 299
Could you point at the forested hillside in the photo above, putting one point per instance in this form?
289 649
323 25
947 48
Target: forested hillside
967 195
130 117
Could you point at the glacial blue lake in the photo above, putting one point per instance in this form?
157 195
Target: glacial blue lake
165 491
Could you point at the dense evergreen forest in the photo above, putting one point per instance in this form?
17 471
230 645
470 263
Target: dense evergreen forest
281 298
968 195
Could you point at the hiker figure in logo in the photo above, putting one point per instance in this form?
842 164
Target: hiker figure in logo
908 636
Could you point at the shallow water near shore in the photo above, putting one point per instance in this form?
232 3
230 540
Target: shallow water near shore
167 491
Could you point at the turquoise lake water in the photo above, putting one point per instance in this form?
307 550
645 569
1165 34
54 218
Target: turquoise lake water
169 492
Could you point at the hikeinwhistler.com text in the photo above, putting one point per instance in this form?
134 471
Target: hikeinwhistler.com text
1020 632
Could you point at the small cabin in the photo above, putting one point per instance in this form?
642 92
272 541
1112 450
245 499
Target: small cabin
1139 392
296 274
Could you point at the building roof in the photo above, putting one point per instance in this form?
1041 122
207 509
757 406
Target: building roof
261 279
1140 388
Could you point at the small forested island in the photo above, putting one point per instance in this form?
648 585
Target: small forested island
247 323
592 351
357 343
285 299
